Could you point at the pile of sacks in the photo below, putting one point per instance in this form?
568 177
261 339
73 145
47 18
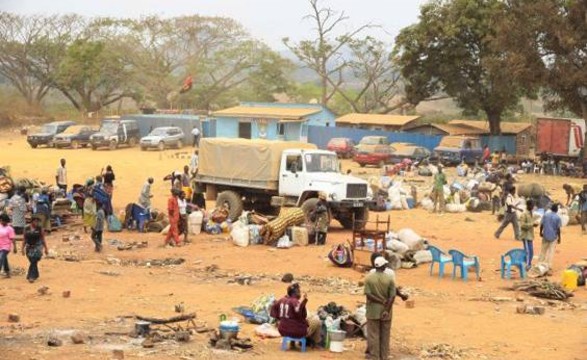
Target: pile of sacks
391 195
247 230
406 249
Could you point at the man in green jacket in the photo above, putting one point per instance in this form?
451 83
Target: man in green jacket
380 292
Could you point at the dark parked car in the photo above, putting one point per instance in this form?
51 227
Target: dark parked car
453 150
409 151
115 132
74 136
380 155
47 133
343 147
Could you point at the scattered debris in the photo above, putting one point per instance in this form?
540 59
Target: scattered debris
118 354
443 351
287 278
53 341
532 310
132 245
231 343
66 293
494 299
543 289
13 318
410 304
43 290
78 338
108 273
179 308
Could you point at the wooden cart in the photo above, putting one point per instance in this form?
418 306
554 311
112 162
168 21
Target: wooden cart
362 231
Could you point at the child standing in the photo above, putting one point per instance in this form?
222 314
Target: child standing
99 227
527 225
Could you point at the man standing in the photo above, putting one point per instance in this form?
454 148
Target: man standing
438 190
18 207
486 155
510 215
583 207
322 219
196 134
173 212
61 177
145 196
194 162
550 230
380 292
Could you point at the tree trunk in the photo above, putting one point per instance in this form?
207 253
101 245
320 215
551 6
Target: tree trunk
494 118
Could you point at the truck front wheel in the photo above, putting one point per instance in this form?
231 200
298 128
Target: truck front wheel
361 216
234 202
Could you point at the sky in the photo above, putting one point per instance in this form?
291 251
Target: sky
268 20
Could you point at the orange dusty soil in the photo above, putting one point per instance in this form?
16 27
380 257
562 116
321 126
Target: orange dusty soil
448 312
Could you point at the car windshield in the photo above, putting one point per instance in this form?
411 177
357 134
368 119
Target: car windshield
49 129
159 132
321 163
72 130
109 128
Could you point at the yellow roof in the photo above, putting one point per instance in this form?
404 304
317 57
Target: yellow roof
377 119
267 112
506 127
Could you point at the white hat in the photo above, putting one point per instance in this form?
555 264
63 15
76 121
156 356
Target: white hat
380 262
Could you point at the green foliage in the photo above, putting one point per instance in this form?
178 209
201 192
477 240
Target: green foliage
454 49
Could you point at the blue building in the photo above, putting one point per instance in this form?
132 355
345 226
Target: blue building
271 121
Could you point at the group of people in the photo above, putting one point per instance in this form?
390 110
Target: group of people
380 290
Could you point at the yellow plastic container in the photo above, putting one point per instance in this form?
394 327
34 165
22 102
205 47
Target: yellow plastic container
569 280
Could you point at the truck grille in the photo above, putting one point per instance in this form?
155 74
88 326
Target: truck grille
356 191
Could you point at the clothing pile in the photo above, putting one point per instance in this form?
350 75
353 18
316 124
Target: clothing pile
247 229
217 221
391 195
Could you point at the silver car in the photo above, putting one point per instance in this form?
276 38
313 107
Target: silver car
162 138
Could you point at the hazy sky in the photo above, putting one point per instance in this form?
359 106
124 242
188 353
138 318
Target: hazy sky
270 20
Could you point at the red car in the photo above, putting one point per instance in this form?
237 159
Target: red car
379 156
343 147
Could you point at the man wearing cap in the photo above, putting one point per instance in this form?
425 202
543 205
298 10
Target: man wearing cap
291 315
322 219
380 292
438 190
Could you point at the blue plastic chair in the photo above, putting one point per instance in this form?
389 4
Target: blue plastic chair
438 256
518 258
464 262
286 340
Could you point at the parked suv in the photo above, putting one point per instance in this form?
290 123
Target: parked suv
114 133
47 133
163 137
453 150
343 147
378 155
74 137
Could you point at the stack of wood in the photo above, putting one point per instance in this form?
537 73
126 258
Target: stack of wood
275 229
543 289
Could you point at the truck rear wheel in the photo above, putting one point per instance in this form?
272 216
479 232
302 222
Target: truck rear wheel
361 216
234 201
310 205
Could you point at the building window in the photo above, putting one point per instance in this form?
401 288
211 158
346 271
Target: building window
280 129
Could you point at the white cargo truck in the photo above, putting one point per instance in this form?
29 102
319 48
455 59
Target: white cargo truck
264 175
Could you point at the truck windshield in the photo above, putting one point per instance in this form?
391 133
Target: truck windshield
109 128
321 163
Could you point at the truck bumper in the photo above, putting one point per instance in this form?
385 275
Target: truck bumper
351 204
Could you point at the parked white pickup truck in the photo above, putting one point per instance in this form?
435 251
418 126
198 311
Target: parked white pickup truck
264 175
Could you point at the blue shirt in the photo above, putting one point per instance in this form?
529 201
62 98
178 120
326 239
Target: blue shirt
551 223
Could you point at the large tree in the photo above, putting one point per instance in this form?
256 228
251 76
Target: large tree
324 54
551 36
454 49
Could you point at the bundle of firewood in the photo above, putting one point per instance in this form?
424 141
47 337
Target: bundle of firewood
543 289
275 229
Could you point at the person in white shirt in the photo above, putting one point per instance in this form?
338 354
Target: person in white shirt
183 216
194 162
196 134
510 215
61 176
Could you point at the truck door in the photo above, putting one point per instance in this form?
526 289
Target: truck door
291 181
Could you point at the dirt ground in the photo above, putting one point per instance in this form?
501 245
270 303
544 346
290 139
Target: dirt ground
455 314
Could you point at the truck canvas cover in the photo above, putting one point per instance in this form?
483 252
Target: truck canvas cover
254 163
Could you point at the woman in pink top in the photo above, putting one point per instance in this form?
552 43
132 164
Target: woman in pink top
6 243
